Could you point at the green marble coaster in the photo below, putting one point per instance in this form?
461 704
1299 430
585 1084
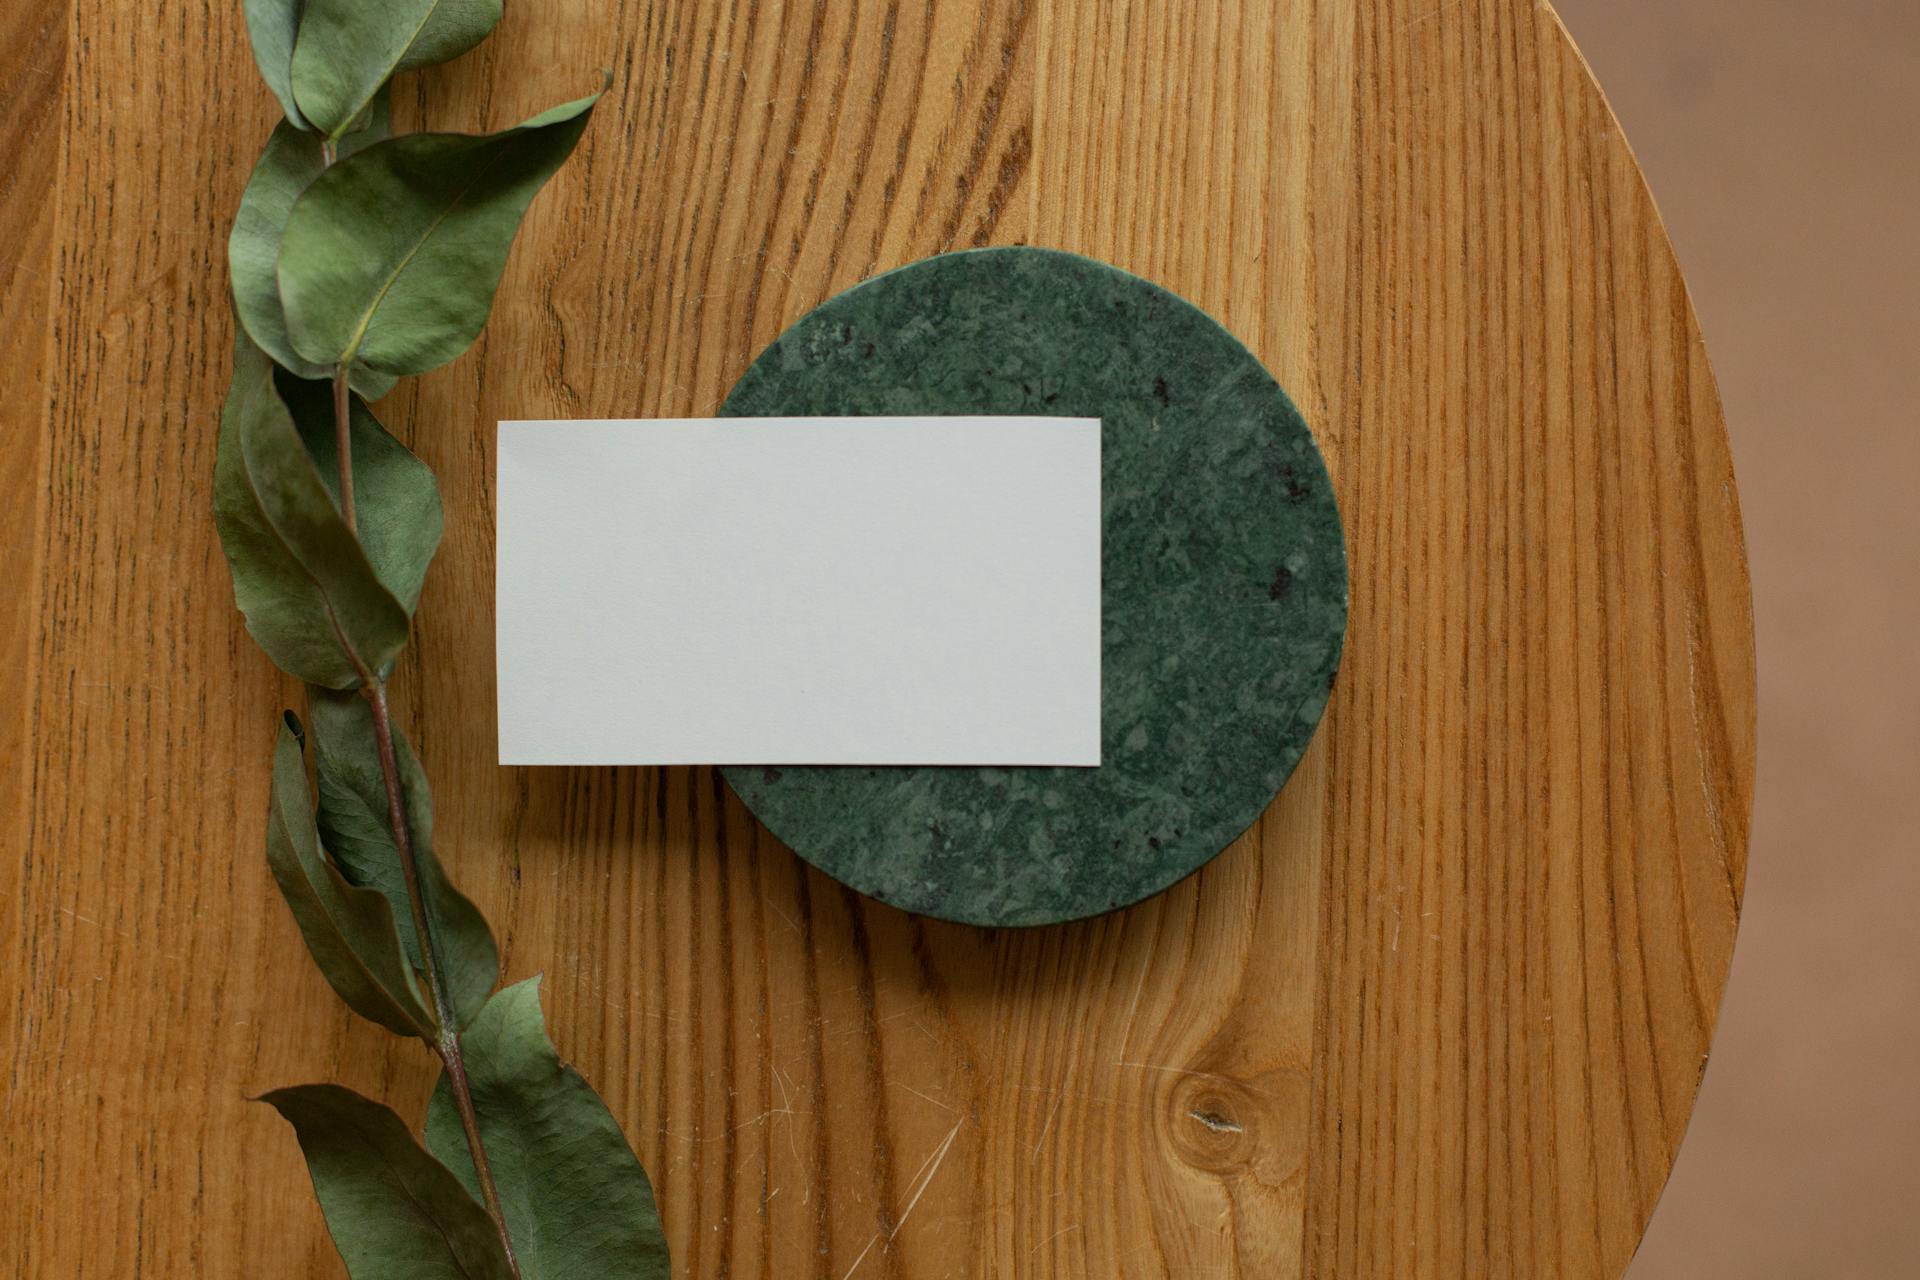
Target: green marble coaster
1224 585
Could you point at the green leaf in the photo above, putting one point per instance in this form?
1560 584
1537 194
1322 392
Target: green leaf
311 597
347 49
395 494
288 166
395 1213
354 823
349 930
577 1202
272 26
391 258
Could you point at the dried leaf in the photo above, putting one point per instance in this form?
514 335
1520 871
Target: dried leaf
348 49
395 1212
349 930
577 1202
391 258
311 597
395 494
290 163
272 26
354 824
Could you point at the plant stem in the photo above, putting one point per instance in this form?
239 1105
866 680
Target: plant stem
343 443
447 1041
448 1044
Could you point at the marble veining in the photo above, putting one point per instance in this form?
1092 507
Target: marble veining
1224 585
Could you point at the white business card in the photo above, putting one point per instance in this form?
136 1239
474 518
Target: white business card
800 591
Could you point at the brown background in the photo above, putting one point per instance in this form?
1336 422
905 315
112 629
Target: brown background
1782 141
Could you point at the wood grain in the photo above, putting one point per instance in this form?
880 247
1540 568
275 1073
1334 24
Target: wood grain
1441 1013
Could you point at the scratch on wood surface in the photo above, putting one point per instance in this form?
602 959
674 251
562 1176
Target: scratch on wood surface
863 1256
921 1181
1703 749
1041 1247
930 1098
1432 14
925 1177
1058 1098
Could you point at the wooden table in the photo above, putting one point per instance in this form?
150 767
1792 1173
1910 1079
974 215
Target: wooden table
1442 1013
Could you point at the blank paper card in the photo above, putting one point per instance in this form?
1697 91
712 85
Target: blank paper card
800 591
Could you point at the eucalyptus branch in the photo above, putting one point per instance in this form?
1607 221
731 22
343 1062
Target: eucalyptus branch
354 251
447 1040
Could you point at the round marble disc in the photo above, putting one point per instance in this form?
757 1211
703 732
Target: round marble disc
1224 585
